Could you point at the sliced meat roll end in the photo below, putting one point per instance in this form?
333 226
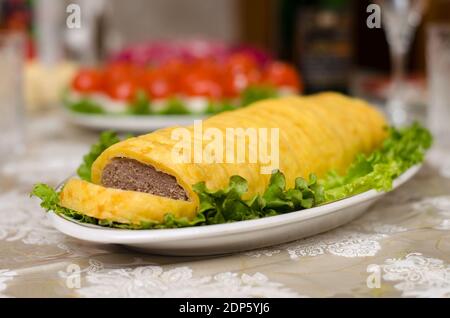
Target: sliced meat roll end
132 175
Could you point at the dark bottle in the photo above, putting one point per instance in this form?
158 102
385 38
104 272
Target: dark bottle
321 43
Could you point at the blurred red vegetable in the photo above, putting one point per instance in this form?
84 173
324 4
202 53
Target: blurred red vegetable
201 74
201 84
124 90
280 74
87 81
158 84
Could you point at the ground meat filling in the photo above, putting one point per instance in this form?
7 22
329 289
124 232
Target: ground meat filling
130 174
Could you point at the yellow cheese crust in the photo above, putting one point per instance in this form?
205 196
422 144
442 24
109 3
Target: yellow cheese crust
317 133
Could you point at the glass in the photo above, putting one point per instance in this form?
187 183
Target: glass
400 19
438 64
11 95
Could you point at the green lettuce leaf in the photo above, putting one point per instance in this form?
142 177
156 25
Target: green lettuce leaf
228 205
85 106
175 106
140 104
50 202
257 92
107 139
403 149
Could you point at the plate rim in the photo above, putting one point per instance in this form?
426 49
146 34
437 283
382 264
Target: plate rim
131 116
129 123
95 233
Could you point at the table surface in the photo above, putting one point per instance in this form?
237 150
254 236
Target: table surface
399 248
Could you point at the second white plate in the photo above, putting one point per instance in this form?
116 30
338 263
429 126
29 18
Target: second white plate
129 123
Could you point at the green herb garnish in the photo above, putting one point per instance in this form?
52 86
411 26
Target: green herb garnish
140 104
256 93
86 106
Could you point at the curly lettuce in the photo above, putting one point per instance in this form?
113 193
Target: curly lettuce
86 106
403 149
107 139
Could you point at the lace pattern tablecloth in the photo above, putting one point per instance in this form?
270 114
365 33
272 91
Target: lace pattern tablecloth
401 247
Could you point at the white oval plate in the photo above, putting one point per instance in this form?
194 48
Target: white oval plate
231 237
129 123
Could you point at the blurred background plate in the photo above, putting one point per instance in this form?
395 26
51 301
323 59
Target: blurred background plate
129 123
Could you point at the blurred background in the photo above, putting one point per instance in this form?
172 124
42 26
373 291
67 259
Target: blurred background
52 51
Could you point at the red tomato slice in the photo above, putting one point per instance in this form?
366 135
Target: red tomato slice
241 72
123 90
117 71
235 82
87 81
241 63
174 67
282 75
201 84
120 71
206 66
159 85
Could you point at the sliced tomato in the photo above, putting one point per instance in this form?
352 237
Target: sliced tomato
241 63
201 84
207 66
280 74
241 71
123 90
174 67
118 72
235 83
159 84
87 81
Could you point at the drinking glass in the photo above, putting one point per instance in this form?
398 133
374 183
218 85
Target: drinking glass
400 19
11 95
438 67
